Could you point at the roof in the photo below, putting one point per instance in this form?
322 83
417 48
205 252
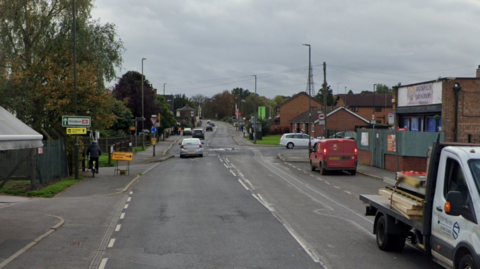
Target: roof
342 108
305 118
15 134
186 108
367 100
295 96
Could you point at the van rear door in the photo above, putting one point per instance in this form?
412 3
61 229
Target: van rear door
341 153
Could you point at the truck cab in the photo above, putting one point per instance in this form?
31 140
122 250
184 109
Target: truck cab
455 239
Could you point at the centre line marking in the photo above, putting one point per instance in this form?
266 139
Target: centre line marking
129 199
122 216
112 241
103 263
118 227
126 206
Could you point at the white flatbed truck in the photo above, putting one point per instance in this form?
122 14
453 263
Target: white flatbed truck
448 227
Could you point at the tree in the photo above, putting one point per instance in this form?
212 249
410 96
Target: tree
124 119
382 89
243 94
167 119
350 92
330 100
279 99
198 100
129 89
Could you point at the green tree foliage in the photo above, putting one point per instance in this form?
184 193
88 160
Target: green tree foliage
279 99
240 92
181 100
166 118
123 120
383 89
320 93
36 61
350 92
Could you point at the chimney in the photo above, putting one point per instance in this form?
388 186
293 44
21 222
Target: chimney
478 72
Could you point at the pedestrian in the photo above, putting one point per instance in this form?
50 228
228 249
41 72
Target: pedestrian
94 152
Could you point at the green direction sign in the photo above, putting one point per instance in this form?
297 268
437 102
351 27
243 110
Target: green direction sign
76 121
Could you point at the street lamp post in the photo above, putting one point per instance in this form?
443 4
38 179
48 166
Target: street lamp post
164 88
143 112
255 116
309 96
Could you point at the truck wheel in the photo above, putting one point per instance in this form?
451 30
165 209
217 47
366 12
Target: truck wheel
386 241
467 262
290 145
312 168
353 172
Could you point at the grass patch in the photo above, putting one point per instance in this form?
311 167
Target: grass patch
270 140
23 188
103 161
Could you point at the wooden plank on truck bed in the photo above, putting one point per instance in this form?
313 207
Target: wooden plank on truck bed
399 198
410 217
409 212
412 197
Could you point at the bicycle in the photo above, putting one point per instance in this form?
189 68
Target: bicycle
93 167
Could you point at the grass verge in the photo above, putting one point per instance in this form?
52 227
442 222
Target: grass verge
23 188
270 140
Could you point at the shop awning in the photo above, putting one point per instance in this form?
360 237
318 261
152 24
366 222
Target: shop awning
15 134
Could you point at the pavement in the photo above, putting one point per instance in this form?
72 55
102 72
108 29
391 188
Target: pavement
20 231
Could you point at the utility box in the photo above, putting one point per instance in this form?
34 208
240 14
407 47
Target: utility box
258 131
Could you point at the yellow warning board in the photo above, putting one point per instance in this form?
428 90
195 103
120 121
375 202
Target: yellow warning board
122 156
154 141
75 131
132 128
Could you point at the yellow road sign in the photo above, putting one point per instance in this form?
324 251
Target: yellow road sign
122 156
154 141
75 131
132 128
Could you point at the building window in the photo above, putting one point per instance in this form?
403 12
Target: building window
354 109
378 109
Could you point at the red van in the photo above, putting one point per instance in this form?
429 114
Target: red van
334 154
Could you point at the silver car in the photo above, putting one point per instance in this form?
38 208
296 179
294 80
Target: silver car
191 147
292 140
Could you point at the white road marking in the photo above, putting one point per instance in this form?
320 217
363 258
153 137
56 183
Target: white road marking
243 184
118 227
122 216
129 199
233 173
103 263
131 192
126 206
112 241
336 187
348 192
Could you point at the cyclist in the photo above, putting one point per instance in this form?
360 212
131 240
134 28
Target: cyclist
94 152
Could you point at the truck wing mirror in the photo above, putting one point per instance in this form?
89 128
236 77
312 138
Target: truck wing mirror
453 206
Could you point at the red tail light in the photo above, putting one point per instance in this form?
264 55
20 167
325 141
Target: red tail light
200 146
356 150
181 146
325 151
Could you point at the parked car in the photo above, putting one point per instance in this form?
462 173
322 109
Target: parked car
209 128
345 134
198 133
191 147
291 140
334 154
187 131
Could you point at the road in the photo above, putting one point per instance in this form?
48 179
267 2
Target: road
242 207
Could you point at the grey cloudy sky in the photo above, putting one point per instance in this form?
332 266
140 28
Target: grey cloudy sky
207 46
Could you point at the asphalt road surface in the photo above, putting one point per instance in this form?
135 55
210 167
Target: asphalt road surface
242 207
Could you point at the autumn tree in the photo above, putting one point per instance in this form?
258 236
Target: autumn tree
129 89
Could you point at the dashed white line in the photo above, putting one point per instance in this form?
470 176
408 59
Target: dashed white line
336 187
118 227
103 263
348 192
126 206
328 183
129 199
233 173
122 216
243 184
112 241
131 192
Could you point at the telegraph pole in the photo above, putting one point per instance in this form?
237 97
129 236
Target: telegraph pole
309 96
325 96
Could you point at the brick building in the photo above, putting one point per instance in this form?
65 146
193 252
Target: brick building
367 105
433 106
292 108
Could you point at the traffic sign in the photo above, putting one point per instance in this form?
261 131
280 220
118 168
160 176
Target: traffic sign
76 121
132 128
75 131
153 119
122 156
321 122
321 116
154 130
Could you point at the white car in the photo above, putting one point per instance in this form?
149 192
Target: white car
292 140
